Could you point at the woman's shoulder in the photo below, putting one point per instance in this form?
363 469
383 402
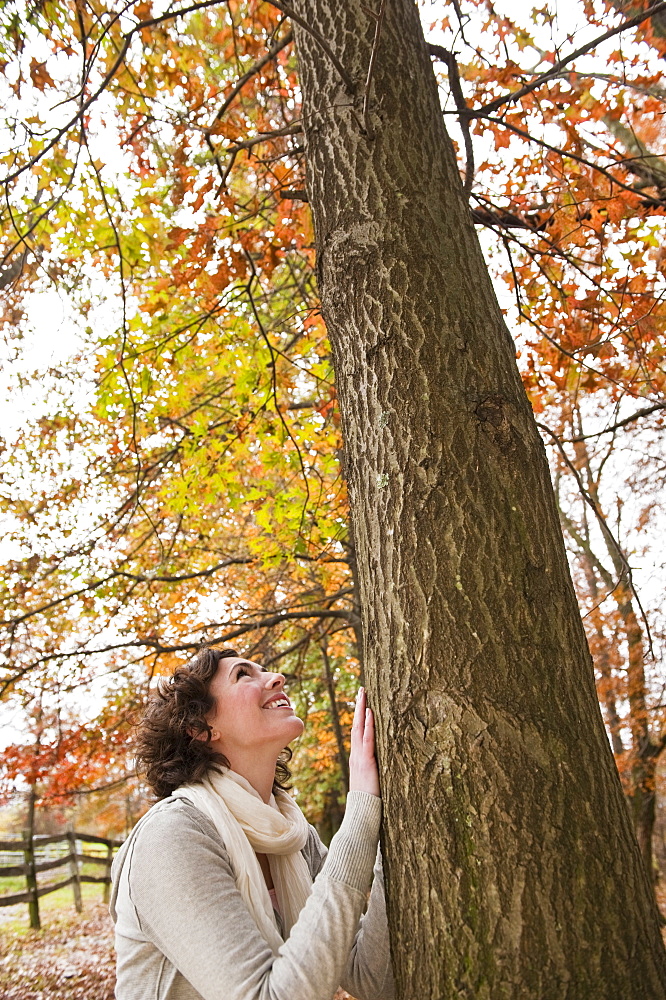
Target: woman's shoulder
170 825
171 817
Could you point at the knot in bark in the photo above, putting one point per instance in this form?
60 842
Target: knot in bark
492 412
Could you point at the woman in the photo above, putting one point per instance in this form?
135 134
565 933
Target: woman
213 893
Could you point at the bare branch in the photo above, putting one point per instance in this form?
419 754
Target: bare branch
465 113
646 411
154 644
516 95
295 195
253 70
294 128
378 18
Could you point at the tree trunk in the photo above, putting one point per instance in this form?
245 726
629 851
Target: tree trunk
513 871
642 803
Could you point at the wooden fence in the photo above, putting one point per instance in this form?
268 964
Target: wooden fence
32 848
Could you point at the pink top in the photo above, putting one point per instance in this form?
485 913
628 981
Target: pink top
272 893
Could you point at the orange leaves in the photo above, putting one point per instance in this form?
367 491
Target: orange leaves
40 76
501 137
176 237
214 422
143 11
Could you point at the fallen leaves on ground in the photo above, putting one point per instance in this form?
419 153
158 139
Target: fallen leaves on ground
72 957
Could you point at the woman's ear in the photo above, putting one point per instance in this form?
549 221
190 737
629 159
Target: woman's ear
205 735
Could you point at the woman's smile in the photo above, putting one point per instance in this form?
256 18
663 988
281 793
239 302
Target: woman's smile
278 701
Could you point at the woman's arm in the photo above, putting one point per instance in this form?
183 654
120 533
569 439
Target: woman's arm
188 907
369 974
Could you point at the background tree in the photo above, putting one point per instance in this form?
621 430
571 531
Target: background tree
604 545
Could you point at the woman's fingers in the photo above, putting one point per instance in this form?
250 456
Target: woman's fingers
358 724
362 763
369 729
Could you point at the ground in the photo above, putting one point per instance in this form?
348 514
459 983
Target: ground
71 957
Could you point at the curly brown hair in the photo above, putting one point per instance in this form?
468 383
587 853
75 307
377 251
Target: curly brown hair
168 747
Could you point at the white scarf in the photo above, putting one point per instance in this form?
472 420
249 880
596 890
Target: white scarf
247 824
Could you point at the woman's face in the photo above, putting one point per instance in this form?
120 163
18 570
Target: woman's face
252 713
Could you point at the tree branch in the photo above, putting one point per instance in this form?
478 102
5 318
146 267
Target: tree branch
118 574
646 411
465 113
558 66
253 70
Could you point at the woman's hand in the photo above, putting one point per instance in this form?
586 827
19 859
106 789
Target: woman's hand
363 775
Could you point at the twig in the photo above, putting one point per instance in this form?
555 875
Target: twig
294 128
465 113
605 530
378 19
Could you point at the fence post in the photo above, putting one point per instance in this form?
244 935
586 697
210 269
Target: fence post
107 871
74 868
31 880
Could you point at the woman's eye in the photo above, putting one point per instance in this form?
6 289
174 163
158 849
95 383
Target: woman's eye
242 672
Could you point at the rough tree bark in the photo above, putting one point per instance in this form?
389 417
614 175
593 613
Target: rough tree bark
513 871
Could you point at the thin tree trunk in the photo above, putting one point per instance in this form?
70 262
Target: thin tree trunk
29 858
504 813
640 771
607 686
642 803
335 716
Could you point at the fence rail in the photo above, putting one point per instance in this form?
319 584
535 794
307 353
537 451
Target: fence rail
29 848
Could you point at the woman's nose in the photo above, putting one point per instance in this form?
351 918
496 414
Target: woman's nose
275 681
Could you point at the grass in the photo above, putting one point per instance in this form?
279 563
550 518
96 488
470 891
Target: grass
14 919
